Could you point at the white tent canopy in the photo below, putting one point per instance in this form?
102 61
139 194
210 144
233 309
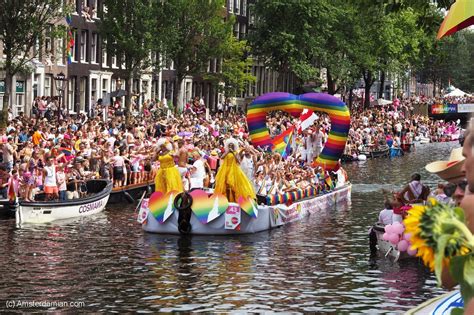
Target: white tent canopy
381 102
456 93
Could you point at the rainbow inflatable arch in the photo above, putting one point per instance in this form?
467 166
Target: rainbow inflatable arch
294 105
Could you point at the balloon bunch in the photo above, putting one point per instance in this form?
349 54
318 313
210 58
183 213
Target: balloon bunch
394 234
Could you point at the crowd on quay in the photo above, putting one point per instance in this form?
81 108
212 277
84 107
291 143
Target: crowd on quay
56 154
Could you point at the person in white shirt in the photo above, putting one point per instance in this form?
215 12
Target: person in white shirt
318 142
386 215
198 172
49 180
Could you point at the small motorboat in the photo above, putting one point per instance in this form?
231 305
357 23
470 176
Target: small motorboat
380 151
387 248
345 158
37 212
130 193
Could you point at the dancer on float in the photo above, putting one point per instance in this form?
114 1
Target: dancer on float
230 179
167 177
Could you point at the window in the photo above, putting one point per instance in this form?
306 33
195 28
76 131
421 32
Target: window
104 53
82 94
84 46
48 41
94 44
47 86
237 6
243 30
114 61
59 57
105 88
244 7
71 91
236 29
230 5
93 90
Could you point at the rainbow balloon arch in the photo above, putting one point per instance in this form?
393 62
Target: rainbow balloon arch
295 104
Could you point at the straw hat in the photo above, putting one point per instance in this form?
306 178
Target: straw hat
449 170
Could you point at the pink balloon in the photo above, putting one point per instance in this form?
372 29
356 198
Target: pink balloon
385 236
411 252
407 236
403 245
388 228
394 238
398 228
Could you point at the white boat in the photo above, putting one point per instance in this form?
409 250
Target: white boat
440 305
38 212
236 221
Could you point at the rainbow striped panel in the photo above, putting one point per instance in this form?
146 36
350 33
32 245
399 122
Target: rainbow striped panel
295 104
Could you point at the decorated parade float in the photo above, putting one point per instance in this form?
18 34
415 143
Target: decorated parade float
205 212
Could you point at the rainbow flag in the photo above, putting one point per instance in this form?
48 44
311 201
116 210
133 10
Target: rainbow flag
281 141
69 40
329 181
12 189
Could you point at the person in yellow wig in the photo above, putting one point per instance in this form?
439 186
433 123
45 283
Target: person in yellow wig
230 179
167 177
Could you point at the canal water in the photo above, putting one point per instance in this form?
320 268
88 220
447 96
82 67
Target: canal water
319 265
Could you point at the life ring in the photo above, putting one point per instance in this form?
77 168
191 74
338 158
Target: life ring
183 203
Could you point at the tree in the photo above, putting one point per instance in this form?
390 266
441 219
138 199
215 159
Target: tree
190 33
289 35
22 25
128 27
234 76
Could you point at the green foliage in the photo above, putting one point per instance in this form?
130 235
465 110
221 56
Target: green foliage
190 33
22 25
289 35
235 73
128 28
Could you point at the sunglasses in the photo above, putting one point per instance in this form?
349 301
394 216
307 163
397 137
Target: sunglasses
462 185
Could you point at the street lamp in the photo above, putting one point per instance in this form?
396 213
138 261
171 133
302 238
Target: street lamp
60 81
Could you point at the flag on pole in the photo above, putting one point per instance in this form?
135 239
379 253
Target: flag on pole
286 153
280 142
69 40
307 119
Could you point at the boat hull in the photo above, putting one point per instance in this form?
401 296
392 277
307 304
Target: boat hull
130 194
45 212
268 216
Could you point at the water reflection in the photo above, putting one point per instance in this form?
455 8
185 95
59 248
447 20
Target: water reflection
319 265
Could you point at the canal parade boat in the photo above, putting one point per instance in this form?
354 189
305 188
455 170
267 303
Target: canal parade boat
130 193
216 216
38 212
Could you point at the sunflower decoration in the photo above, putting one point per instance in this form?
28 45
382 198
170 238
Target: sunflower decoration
441 238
